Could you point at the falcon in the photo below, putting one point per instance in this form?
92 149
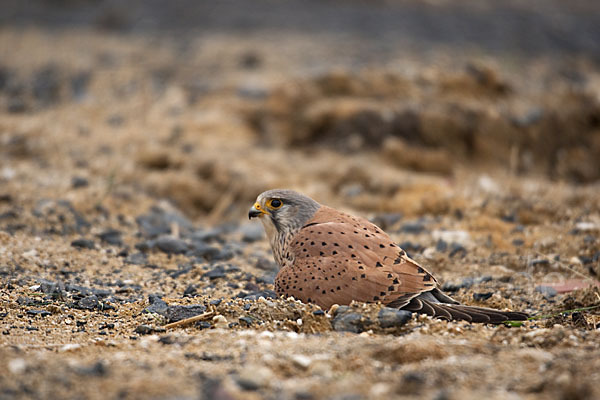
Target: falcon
330 257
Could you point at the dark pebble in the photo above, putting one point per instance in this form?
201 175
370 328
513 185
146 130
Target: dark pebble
79 182
171 245
157 305
190 291
268 279
46 85
457 250
167 339
203 325
43 313
518 242
265 264
413 228
24 301
83 243
32 328
464 284
54 289
203 250
546 291
136 259
318 312
410 247
247 320
348 322
392 317
97 369
3 315
111 236
482 296
89 303
158 222
215 273
215 302
177 313
441 246
539 261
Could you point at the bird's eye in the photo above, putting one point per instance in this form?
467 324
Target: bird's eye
274 204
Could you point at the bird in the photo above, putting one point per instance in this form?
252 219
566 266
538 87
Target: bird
328 257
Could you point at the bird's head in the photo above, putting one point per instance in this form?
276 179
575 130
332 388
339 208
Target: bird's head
283 211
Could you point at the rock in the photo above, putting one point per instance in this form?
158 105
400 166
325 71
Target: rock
464 284
410 247
254 377
252 232
54 289
46 85
157 305
482 296
205 251
348 322
215 273
177 313
539 262
171 245
159 221
83 243
42 313
111 236
24 301
386 221
99 368
136 259
265 264
301 361
546 291
457 249
89 303
392 317
79 182
441 246
412 228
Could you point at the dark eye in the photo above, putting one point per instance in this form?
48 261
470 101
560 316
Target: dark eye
275 203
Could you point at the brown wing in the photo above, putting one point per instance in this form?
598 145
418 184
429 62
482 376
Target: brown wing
340 258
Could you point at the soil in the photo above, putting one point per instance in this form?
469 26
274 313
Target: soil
131 152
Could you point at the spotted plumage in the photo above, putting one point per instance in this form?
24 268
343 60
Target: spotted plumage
329 257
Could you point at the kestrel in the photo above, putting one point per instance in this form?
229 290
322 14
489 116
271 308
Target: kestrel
329 257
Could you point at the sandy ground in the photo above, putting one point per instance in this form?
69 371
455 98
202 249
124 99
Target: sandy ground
128 164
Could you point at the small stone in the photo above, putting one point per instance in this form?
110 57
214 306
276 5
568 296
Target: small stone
111 236
89 303
546 291
267 294
171 245
157 305
413 228
301 361
539 262
254 377
441 246
177 313
482 296
42 313
392 317
79 182
83 243
348 322
215 273
457 249
264 264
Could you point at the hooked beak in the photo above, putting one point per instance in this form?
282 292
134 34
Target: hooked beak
256 211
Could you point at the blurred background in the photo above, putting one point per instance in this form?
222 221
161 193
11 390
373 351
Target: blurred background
209 103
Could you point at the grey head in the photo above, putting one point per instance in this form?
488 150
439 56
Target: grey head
283 211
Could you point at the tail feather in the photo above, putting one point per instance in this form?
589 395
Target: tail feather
434 304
